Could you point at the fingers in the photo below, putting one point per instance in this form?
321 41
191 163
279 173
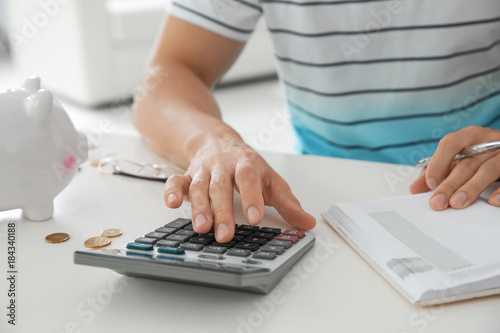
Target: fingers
249 184
221 196
494 198
200 204
449 146
288 206
176 188
209 184
420 184
466 182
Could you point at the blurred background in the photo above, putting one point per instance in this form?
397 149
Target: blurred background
3 32
92 54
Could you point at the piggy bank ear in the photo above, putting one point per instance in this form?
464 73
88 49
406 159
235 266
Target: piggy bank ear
39 106
32 85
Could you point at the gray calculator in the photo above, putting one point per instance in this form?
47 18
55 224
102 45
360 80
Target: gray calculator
255 260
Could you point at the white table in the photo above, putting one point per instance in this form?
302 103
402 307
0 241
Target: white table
330 290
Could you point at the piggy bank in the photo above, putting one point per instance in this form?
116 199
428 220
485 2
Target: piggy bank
40 150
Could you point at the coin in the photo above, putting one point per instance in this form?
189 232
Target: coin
97 242
59 237
111 233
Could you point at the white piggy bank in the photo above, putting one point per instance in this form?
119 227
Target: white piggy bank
40 150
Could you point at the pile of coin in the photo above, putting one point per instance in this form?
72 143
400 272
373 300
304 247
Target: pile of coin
97 242
104 240
92 243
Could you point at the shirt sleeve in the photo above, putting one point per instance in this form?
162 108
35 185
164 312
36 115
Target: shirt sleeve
234 19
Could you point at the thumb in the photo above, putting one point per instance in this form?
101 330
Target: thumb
287 205
294 215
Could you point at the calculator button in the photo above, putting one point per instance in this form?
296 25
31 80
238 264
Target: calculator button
243 232
255 240
171 250
215 249
250 261
178 223
192 246
168 243
201 240
273 248
248 227
238 238
285 244
297 233
208 235
166 230
264 255
179 238
265 235
146 240
235 268
238 252
155 234
211 264
177 259
185 232
206 257
274 231
139 246
139 254
288 238
247 246
227 245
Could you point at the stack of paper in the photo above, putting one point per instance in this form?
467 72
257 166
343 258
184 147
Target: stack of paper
431 257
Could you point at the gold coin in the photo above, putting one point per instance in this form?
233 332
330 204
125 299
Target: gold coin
111 233
59 237
97 242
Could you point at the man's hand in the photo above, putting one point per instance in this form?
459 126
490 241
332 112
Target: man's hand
215 171
458 184
180 120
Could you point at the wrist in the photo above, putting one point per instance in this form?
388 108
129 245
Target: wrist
221 138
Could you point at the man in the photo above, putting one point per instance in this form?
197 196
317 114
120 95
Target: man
373 80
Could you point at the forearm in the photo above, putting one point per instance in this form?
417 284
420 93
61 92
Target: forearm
179 114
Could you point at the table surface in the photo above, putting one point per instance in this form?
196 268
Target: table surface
330 289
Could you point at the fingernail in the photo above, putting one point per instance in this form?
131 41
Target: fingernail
432 183
200 221
459 199
496 200
438 201
171 198
222 231
253 215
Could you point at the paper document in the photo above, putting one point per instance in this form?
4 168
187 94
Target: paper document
431 257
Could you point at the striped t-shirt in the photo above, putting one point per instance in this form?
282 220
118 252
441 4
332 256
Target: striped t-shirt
373 79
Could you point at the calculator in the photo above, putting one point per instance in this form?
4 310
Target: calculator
255 260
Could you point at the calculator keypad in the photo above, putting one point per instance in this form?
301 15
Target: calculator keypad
177 237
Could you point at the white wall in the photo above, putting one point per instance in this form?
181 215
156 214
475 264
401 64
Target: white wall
2 25
2 12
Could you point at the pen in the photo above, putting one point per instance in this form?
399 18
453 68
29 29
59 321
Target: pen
468 151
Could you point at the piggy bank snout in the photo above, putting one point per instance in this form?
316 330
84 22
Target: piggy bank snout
83 148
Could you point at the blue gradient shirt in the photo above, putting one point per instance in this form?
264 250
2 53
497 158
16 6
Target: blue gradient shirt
373 80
